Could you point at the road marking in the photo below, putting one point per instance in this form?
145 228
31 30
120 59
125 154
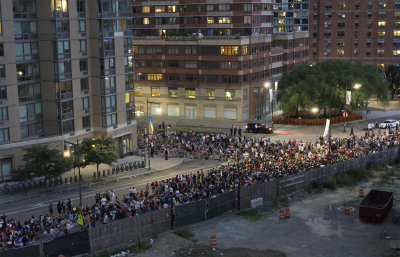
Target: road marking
91 193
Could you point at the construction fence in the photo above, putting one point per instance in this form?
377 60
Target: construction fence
286 185
69 245
122 232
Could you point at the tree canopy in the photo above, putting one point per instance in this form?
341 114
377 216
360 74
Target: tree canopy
98 150
324 86
392 74
42 161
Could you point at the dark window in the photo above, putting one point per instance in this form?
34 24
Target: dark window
2 71
86 122
1 49
83 65
209 78
3 92
80 6
84 84
209 65
209 50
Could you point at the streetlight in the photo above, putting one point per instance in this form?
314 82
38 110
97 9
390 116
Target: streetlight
271 100
356 86
67 154
158 110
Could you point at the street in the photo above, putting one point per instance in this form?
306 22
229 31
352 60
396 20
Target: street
22 206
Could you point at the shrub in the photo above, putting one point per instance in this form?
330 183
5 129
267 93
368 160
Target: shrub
309 188
331 183
185 233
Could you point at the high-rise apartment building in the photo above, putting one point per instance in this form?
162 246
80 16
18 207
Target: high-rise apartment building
291 15
66 73
355 30
208 61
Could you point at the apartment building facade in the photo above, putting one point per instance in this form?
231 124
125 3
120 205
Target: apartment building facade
202 61
66 74
355 30
291 15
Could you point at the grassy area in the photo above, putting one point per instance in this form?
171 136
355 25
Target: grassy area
386 175
349 179
185 233
254 214
139 247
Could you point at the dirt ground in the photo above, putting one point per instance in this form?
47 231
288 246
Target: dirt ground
317 227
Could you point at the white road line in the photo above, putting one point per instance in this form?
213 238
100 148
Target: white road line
91 193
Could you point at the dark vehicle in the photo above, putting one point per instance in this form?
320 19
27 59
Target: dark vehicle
376 206
258 128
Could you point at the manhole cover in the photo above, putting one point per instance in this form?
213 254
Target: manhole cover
341 208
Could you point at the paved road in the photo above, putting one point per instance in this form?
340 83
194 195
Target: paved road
23 205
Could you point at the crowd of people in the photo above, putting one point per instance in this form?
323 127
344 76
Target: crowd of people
254 160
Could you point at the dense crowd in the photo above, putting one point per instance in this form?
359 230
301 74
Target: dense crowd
255 160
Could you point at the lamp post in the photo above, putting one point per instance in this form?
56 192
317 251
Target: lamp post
356 86
148 128
271 100
77 155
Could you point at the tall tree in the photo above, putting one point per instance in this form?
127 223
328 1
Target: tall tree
98 150
392 74
42 161
324 86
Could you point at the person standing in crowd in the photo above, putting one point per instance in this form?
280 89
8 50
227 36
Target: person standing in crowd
51 211
232 130
240 132
166 154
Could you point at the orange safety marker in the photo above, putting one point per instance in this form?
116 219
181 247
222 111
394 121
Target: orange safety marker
287 213
346 211
361 192
281 214
213 241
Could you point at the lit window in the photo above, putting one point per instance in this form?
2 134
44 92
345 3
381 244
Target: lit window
229 50
59 5
190 93
340 52
230 95
210 94
397 14
223 20
381 33
396 33
155 92
381 23
396 52
244 49
380 51
138 91
156 76
171 8
146 9
282 14
173 92
210 20
159 8
146 21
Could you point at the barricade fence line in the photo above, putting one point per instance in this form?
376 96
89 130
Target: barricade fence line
122 232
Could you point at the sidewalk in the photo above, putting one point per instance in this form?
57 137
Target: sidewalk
157 164
88 180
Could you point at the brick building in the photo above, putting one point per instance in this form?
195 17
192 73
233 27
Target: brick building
355 30
209 60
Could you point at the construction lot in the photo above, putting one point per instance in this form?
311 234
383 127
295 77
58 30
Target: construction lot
317 227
